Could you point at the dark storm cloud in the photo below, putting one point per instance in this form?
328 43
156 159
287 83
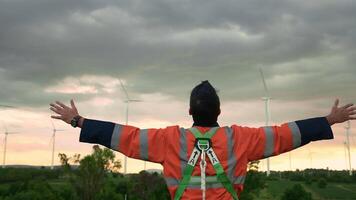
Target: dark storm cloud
307 49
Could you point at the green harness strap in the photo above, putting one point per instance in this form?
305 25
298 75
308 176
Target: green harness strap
220 173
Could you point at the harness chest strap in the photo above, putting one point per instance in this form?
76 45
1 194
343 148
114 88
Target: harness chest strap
220 173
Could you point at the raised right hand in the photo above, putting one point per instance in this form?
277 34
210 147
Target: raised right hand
65 113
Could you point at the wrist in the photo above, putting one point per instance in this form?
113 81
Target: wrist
330 120
81 122
77 121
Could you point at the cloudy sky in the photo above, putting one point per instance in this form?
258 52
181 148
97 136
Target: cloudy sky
63 49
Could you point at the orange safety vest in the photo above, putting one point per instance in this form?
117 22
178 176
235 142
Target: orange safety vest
235 146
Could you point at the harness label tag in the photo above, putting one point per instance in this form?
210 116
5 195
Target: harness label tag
212 157
194 157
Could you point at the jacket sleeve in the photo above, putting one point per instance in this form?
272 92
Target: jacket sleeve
143 144
273 140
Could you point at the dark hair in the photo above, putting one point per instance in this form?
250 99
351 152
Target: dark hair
204 103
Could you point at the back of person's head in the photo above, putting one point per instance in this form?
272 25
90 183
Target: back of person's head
204 104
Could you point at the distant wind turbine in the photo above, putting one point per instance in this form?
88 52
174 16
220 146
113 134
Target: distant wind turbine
348 127
267 100
128 101
6 133
54 142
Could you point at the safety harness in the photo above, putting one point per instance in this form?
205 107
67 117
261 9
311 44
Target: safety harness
202 148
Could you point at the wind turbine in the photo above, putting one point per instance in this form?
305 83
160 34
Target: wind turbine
267 100
54 142
348 127
128 101
5 144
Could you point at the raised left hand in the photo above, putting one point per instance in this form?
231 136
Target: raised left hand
341 114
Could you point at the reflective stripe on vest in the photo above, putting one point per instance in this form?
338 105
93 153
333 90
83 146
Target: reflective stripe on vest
211 182
220 173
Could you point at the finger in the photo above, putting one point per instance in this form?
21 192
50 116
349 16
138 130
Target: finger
61 104
352 118
348 105
72 104
56 117
351 108
56 111
336 103
56 106
352 112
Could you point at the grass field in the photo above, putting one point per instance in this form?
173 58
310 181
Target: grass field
333 191
274 189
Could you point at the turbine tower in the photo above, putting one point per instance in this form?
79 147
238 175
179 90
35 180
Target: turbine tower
54 142
267 100
128 101
290 160
345 154
6 133
311 158
348 127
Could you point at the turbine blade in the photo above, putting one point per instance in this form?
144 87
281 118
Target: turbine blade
264 81
41 128
134 100
6 106
13 132
124 89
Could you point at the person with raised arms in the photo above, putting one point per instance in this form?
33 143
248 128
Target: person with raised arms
205 161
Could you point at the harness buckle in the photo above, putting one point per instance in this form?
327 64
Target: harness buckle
203 144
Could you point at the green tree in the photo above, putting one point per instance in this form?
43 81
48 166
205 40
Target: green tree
254 183
109 191
88 180
253 165
147 186
32 190
297 192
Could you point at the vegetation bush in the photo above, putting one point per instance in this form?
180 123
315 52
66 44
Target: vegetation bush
322 183
254 183
297 192
308 181
24 174
96 175
32 190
